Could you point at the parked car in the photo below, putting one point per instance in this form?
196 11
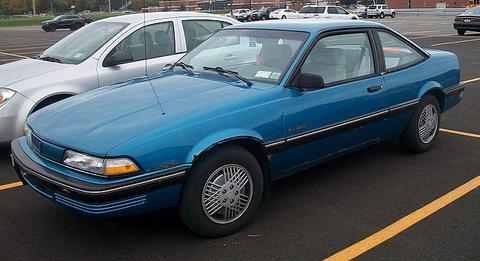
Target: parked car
284 14
380 11
242 15
325 11
468 21
72 22
99 54
262 13
361 11
252 104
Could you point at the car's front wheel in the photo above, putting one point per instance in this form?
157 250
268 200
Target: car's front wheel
52 28
284 17
461 32
382 15
222 193
422 129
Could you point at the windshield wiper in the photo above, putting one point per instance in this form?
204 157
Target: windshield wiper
186 67
220 70
48 58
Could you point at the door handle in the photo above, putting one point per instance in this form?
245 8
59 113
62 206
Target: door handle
374 88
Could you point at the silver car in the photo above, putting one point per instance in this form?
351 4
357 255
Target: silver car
99 54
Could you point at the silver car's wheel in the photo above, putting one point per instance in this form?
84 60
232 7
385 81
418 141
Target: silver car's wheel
227 193
428 124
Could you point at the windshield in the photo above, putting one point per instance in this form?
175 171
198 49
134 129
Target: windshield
57 18
78 46
475 11
259 55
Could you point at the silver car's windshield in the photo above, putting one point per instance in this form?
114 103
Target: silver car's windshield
258 55
78 46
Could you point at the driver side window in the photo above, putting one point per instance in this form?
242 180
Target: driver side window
152 41
340 57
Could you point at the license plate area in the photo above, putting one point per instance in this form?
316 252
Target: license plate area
467 20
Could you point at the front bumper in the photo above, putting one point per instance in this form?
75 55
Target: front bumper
108 199
466 26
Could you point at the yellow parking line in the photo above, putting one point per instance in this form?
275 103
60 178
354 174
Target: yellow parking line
11 185
471 135
404 223
471 80
14 55
455 42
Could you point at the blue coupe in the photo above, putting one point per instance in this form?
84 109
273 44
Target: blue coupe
254 103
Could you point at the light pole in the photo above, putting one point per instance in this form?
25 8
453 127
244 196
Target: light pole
33 7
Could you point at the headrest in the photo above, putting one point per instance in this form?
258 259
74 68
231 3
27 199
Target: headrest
327 55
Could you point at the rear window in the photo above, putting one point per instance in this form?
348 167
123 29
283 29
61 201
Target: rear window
372 7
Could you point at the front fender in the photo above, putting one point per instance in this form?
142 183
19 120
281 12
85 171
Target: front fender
221 137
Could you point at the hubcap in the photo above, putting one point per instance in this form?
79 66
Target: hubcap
227 193
428 124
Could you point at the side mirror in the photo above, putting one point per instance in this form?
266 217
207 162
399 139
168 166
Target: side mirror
116 58
308 82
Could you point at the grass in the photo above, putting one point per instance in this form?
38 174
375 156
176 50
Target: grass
37 20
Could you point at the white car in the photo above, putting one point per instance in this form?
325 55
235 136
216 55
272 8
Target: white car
325 11
102 53
380 11
242 15
283 14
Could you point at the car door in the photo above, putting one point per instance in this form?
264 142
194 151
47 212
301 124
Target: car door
342 13
165 46
321 12
132 43
347 112
332 12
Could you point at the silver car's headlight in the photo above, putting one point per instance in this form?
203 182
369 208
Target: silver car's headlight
106 167
5 95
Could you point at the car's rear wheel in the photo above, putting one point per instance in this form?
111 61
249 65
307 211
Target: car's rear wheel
284 17
393 15
422 129
461 32
222 193
382 15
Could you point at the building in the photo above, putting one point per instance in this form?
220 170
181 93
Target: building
429 3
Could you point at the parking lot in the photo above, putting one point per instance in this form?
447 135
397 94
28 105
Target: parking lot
309 216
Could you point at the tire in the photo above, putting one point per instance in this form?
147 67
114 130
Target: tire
52 28
461 31
284 17
413 138
382 15
194 203
393 15
365 16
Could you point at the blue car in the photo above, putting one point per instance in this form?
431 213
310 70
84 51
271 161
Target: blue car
253 103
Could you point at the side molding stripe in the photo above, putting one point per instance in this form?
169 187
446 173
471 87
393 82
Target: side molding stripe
344 125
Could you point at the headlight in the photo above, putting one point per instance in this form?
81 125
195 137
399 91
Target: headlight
5 95
107 167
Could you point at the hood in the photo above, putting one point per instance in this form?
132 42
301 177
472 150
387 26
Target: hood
14 72
96 122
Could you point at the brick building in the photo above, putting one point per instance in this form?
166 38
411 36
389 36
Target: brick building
428 3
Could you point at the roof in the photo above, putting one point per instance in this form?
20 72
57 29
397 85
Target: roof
306 25
138 18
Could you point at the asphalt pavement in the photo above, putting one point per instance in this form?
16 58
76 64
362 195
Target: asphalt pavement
309 216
